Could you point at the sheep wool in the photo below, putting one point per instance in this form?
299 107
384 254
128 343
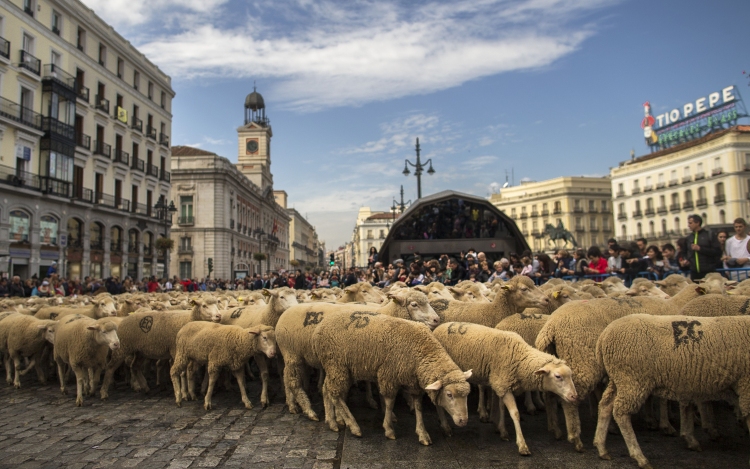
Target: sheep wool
102 306
683 358
393 352
27 336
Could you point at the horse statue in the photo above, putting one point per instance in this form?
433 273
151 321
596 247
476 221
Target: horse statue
559 232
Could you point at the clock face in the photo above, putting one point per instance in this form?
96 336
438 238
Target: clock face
252 146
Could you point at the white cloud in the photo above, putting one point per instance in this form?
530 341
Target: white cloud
479 162
323 54
485 141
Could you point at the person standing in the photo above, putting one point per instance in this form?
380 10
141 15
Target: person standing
704 250
737 252
299 281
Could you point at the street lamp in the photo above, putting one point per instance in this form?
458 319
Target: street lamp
164 212
260 233
418 167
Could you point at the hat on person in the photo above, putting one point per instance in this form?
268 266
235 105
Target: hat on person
398 261
54 262
45 283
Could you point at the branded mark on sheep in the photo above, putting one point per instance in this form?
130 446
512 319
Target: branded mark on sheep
531 316
146 323
74 318
627 302
745 306
439 305
53 315
236 313
458 328
685 332
360 319
312 318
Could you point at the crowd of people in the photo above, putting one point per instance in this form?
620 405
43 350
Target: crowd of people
695 255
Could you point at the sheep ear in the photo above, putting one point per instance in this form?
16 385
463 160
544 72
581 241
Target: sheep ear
350 289
435 386
467 374
506 287
93 328
700 290
42 326
556 294
400 299
631 293
730 283
659 283
192 302
266 292
541 371
253 330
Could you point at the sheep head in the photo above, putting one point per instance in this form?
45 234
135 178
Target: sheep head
418 307
646 288
105 306
557 377
521 292
561 294
48 329
450 393
206 308
105 333
265 339
369 294
435 291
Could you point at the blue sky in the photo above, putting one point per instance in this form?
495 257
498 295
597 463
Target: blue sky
543 87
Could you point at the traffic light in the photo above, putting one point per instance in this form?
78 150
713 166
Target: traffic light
331 261
210 265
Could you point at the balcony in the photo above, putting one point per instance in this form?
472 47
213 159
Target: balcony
648 188
186 250
637 214
122 157
605 209
620 194
103 149
30 63
52 126
662 210
674 208
58 76
165 176
111 201
580 228
545 213
720 199
650 212
83 140
606 229
5 48
593 229
688 205
185 221
164 139
18 113
534 214
136 124
138 164
101 104
701 203
636 190
83 93
524 215
593 209
578 209
153 170
96 245
716 171
557 211
115 246
673 182
535 232
699 176
661 185
150 132
17 178
141 209
686 179
514 216
622 216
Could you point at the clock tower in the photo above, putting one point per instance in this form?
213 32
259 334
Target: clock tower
254 157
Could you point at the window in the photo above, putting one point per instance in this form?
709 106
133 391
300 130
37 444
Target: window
150 90
186 242
675 199
134 196
673 175
120 67
577 204
186 269
592 223
635 184
648 182
720 189
558 207
163 100
513 210
81 39
620 188
592 205
136 79
19 226
28 7
28 43
722 217
382 234
605 223
700 168
717 162
624 230
96 236
56 22
688 196
686 172
604 205
186 206
102 55
621 208
661 179
369 234
637 205
651 228
75 233
663 227
701 193
55 59
639 229
649 204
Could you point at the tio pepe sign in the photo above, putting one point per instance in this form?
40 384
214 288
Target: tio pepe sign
700 105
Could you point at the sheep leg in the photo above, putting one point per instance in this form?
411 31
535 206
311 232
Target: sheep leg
330 410
8 373
249 371
606 404
510 402
501 421
335 386
347 416
424 437
94 375
444 425
293 389
61 374
368 396
239 375
626 428
482 406
213 375
648 413
174 373
537 397
573 424
81 374
204 385
664 425
39 366
18 372
706 410
29 365
553 423
262 363
687 426
388 420
528 402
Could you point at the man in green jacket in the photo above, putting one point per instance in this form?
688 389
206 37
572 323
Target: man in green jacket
704 250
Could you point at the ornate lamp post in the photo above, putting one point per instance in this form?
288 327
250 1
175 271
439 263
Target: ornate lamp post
418 168
164 212
260 233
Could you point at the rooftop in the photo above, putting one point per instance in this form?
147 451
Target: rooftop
184 150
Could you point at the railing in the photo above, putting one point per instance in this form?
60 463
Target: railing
716 171
662 210
185 250
593 209
137 124
147 251
661 185
637 213
55 186
557 211
56 30
122 157
524 215
101 104
621 194
648 188
185 220
650 212
153 170
165 176
673 182
138 164
55 73
15 177
83 140
636 190
701 203
674 207
54 126
5 47
534 214
622 216
515 217
18 113
699 176
686 179
30 63
83 93
580 228
150 132
101 148
735 274
96 245
545 213
688 205
605 209
593 229
578 209
164 139
142 209
720 199
115 246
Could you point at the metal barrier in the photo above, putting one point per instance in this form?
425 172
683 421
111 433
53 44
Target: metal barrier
735 274
648 275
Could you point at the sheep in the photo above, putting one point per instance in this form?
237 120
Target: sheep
519 293
435 291
470 291
646 288
595 291
4 333
217 346
102 306
571 333
254 298
361 292
612 285
151 335
26 337
508 364
394 352
673 357
321 294
83 343
295 328
673 283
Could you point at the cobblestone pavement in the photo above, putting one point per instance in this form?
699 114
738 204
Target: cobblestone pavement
40 428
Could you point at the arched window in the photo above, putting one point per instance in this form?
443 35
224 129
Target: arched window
650 204
722 217
663 226
96 236
133 241
19 226
637 205
701 193
148 241
48 227
677 226
639 229
624 230
688 196
115 239
676 199
75 233
558 207
651 227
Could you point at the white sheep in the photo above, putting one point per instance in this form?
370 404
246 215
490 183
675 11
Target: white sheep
683 358
435 291
101 306
395 353
27 337
506 363
217 346
83 343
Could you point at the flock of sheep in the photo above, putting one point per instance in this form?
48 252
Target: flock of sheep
632 349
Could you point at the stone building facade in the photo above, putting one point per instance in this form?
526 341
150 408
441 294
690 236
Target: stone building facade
305 247
370 230
85 121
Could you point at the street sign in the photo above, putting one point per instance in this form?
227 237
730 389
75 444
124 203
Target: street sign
63 240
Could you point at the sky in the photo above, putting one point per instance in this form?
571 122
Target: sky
493 89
